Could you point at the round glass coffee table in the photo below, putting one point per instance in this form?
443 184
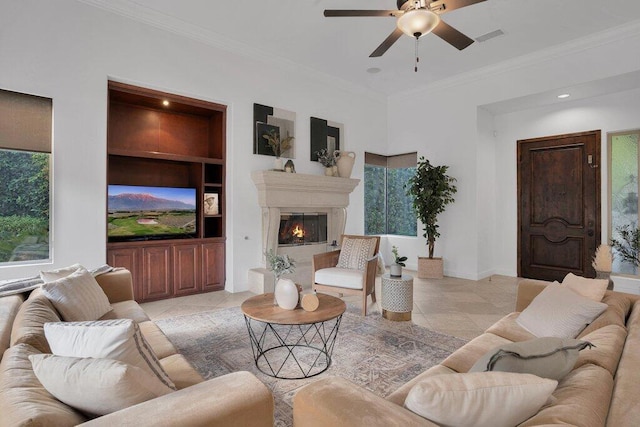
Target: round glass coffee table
292 344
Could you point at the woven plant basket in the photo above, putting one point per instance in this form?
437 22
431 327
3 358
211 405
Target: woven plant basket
430 268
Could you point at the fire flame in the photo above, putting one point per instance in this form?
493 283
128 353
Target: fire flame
298 231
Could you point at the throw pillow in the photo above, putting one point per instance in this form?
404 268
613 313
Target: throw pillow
60 273
593 289
355 252
559 312
96 386
481 399
119 339
547 357
77 297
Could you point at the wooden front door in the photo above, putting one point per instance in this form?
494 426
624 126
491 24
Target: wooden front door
558 205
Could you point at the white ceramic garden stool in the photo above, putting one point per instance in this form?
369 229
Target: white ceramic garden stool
397 297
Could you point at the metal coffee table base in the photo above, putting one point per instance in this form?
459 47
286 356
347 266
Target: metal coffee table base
292 351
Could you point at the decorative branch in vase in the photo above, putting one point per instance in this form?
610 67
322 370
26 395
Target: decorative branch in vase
285 290
603 263
277 145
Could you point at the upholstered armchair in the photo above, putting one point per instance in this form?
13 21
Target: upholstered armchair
350 270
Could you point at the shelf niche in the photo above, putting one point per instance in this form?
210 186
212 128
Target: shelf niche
181 144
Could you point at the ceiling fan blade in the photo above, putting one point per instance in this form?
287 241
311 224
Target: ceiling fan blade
452 36
330 13
387 43
443 6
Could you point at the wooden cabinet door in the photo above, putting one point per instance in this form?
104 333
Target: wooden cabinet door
156 273
213 264
186 269
128 258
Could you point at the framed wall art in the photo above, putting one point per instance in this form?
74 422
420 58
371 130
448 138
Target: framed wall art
325 134
273 131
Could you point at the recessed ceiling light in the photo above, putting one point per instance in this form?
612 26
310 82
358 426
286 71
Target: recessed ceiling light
165 103
373 70
563 96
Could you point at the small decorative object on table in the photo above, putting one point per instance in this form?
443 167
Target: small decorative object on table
602 263
309 301
282 264
328 160
396 267
289 167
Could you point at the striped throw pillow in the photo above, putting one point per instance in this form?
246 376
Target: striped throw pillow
118 339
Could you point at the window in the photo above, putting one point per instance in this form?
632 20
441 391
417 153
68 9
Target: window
387 207
25 156
623 188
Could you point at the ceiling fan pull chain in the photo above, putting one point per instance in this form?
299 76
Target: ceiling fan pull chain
415 70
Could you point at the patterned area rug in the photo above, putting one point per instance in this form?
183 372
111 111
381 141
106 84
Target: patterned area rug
372 352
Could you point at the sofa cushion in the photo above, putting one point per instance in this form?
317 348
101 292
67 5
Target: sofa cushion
9 307
547 357
508 328
356 251
618 307
23 399
28 326
126 310
581 399
608 343
490 399
463 359
342 277
158 341
625 410
77 297
559 312
96 386
593 289
110 339
180 371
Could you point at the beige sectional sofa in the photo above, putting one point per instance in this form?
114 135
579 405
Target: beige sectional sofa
237 399
602 389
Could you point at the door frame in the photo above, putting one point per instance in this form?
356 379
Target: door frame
598 184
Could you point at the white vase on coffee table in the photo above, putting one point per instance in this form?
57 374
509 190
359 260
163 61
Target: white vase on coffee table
287 294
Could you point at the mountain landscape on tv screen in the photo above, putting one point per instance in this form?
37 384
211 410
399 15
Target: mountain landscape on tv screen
145 202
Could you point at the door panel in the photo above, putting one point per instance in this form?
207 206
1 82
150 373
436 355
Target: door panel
558 205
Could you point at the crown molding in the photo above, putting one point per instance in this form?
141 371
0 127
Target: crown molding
133 11
631 29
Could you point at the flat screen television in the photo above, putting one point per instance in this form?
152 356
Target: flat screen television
147 213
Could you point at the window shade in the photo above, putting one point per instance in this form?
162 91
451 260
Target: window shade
408 160
25 122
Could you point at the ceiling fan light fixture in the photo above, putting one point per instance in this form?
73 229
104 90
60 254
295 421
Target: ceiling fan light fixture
418 22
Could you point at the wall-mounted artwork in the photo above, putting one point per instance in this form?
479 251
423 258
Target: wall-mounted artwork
273 131
325 134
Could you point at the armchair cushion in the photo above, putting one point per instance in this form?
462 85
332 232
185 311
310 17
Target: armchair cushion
340 277
356 252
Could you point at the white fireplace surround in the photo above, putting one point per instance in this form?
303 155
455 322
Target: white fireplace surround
286 192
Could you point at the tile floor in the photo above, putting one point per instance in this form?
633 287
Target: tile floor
458 307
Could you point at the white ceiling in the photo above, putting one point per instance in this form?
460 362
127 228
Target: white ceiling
295 31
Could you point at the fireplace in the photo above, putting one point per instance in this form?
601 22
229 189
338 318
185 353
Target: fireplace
302 229
300 215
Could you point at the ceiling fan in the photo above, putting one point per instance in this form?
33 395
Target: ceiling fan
416 18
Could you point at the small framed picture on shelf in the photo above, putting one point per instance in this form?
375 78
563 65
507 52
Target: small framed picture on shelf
211 204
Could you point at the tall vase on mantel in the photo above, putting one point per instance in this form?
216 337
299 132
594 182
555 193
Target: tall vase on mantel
277 164
345 161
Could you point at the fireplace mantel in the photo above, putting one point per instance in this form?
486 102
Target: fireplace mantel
280 192
280 189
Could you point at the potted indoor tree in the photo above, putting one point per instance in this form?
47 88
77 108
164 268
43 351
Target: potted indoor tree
432 190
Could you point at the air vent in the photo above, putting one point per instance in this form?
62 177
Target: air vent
491 35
